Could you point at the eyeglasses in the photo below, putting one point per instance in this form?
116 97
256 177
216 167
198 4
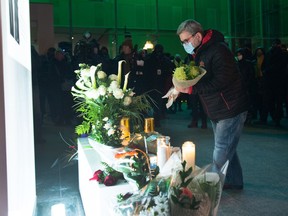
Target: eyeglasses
187 39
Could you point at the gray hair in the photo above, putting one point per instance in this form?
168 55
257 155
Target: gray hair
190 26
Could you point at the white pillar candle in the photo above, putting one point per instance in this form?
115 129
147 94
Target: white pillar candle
161 155
188 152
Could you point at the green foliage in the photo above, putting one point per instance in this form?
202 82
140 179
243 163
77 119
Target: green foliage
109 170
101 102
181 195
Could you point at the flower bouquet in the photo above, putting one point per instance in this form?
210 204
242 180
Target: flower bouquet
108 176
197 193
187 75
150 201
135 166
184 77
102 103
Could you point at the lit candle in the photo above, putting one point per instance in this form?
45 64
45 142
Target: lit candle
161 155
125 129
188 152
149 125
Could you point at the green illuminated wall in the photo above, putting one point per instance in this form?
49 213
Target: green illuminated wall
255 21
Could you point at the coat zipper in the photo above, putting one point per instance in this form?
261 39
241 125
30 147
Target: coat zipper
227 105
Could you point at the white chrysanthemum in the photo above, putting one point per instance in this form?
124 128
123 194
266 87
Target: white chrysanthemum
110 132
159 210
101 75
118 93
113 77
127 101
145 213
105 119
113 85
92 94
102 90
161 200
108 126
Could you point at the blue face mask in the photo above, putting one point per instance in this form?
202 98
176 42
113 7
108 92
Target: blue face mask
188 48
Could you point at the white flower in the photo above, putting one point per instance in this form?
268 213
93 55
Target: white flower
92 94
85 73
127 101
105 119
113 77
131 94
92 69
102 90
77 71
118 93
161 199
108 126
110 132
113 86
101 74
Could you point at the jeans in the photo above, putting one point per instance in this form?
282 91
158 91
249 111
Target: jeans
226 136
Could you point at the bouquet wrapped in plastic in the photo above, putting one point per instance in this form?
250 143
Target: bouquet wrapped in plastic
183 77
177 191
196 193
151 200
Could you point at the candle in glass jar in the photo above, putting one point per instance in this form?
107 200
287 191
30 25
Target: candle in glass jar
161 155
125 129
188 152
149 125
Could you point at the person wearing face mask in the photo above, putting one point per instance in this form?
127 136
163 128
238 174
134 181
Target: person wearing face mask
221 93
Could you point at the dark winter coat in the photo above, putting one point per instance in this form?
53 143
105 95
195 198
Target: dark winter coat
220 90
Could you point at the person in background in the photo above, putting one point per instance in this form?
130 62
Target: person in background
247 72
37 117
259 55
137 77
177 106
274 68
158 72
221 93
105 60
128 55
285 51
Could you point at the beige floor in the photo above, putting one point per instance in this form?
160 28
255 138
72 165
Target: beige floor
263 153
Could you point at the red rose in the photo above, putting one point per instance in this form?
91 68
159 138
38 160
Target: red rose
110 180
98 176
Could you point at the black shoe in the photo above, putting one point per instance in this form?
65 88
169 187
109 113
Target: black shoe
232 187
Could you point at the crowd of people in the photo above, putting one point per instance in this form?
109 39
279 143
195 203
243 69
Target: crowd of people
264 76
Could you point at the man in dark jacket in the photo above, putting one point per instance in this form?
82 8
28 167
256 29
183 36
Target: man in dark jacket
221 93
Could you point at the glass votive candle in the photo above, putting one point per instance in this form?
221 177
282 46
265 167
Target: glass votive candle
149 125
125 129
